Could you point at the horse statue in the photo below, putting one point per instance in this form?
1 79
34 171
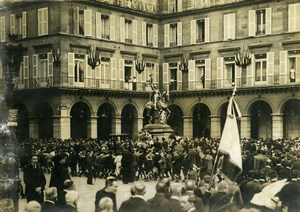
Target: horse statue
158 101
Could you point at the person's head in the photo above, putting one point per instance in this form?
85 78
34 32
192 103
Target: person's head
223 187
139 188
106 204
7 205
190 185
72 198
51 194
69 185
111 184
176 189
34 160
160 187
33 206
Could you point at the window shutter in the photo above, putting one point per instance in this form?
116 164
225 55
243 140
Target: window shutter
122 29
134 33
26 68
24 26
97 73
179 78
87 23
71 60
220 70
250 71
40 23
45 23
179 6
76 20
155 35
2 29
156 73
179 34
113 68
166 32
98 25
270 68
121 73
269 21
193 31
231 26
12 22
283 67
88 72
192 74
225 27
207 29
292 17
166 76
207 72
251 22
35 66
144 34
50 70
238 75
112 33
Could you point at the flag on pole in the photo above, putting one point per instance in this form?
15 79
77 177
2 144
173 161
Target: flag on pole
230 143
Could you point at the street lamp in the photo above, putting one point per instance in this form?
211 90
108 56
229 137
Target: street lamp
11 57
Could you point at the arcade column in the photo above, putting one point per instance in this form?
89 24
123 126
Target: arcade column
188 126
277 123
116 125
215 127
246 126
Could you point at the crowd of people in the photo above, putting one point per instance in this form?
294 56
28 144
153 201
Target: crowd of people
188 179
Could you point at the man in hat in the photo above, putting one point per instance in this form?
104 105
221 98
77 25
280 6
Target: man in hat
34 180
110 190
59 173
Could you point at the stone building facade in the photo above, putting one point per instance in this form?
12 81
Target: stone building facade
60 95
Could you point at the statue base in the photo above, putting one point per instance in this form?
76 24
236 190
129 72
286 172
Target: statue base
158 129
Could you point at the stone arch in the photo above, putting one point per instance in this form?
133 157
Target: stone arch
80 113
176 119
129 120
201 120
260 119
291 118
105 113
43 113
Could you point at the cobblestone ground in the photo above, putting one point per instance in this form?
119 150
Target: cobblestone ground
87 192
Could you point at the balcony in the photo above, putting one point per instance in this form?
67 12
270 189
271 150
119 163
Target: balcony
247 84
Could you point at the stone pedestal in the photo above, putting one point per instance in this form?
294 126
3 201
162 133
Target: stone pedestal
157 129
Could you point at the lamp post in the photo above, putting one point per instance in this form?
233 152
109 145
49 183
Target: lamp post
11 56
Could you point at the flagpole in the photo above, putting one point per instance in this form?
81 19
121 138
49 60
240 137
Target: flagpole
217 156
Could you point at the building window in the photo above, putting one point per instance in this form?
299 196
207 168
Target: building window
260 22
79 68
173 78
173 6
294 17
83 22
105 71
43 21
294 68
128 31
2 29
18 24
149 35
105 27
260 68
200 31
229 26
173 34
229 73
200 75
